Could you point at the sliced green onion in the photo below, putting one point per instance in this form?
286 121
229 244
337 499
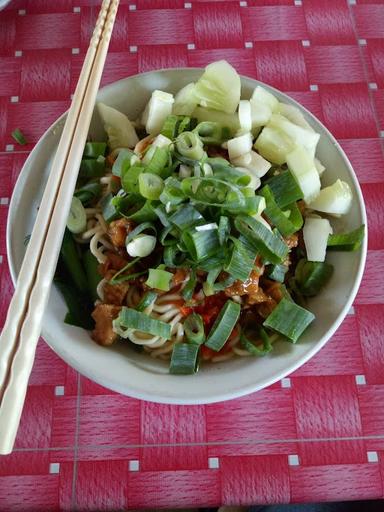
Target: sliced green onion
224 229
144 226
201 244
241 261
92 168
121 273
212 191
167 236
170 125
254 349
289 319
189 145
251 206
143 213
270 246
138 321
311 276
122 162
162 215
94 149
130 179
173 256
194 329
147 300
277 272
158 162
223 326
285 189
184 359
159 279
189 288
214 261
350 241
88 192
172 192
186 124
109 207
77 218
150 185
211 133
231 174
275 215
295 216
19 137
185 217
141 246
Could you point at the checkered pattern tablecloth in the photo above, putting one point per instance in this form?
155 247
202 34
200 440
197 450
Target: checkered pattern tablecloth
315 436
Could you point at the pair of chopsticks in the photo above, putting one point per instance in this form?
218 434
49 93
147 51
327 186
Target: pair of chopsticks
23 323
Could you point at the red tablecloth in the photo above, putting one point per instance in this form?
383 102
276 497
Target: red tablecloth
315 436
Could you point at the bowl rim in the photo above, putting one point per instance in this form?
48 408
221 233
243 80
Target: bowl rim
135 392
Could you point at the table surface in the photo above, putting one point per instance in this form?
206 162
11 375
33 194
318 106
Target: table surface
315 436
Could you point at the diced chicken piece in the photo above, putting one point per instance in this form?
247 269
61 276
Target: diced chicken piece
114 293
114 262
292 240
248 287
142 145
118 231
256 298
264 309
103 314
179 276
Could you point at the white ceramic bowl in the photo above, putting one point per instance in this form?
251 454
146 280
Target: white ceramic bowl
137 375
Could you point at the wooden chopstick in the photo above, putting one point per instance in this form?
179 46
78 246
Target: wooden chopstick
22 327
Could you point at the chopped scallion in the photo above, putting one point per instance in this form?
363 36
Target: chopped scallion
194 329
289 319
350 241
253 347
131 319
19 137
159 279
184 359
223 326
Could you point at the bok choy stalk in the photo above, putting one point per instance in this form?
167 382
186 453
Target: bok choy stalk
156 111
219 87
121 133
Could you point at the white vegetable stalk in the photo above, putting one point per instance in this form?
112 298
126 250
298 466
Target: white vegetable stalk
156 111
231 121
255 181
261 219
274 145
319 166
207 227
185 101
185 171
301 136
294 115
141 246
120 131
335 199
245 117
263 96
160 141
260 114
315 233
219 87
303 169
254 163
239 146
